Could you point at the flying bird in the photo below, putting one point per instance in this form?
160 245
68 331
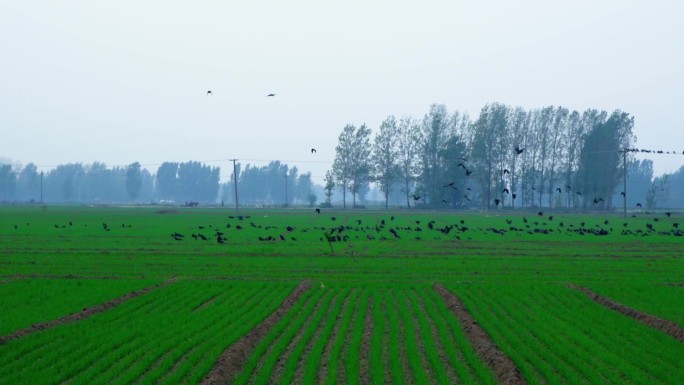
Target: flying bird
416 197
270 95
209 93
313 150
505 171
506 191
518 150
497 201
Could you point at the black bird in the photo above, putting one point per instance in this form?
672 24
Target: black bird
506 171
466 197
209 93
416 197
497 201
558 189
318 211
444 201
270 95
506 191
623 194
668 214
313 150
518 150
468 172
513 195
541 213
578 193
638 205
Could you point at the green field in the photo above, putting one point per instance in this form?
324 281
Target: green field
371 314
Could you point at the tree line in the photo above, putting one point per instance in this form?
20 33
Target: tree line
506 157
173 182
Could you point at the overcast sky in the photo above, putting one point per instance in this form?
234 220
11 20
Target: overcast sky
124 81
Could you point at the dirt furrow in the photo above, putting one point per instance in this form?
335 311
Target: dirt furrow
668 327
434 332
503 367
403 354
233 359
325 360
84 314
299 373
279 368
425 363
342 371
365 376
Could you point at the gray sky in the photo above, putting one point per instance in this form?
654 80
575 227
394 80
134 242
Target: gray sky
124 81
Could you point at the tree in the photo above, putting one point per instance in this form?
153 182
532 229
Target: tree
133 180
329 187
167 182
408 142
384 158
352 160
488 149
659 192
600 158
8 182
435 131
28 183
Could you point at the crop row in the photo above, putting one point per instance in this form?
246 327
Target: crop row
172 335
369 334
25 302
556 335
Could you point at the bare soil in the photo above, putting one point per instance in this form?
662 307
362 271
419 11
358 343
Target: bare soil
84 314
232 360
503 367
668 327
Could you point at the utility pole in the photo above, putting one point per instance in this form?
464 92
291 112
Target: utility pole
285 189
624 182
235 184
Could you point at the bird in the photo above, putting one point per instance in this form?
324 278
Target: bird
505 190
270 95
497 201
518 150
313 150
416 197
513 195
668 213
468 172
638 205
623 194
209 93
505 171
558 189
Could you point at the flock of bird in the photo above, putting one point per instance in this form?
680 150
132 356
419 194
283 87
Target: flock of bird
383 229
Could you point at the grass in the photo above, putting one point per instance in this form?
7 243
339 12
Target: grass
512 277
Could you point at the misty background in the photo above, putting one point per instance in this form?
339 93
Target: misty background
115 83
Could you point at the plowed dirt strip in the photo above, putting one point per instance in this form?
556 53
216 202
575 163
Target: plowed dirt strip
667 327
502 366
85 313
231 361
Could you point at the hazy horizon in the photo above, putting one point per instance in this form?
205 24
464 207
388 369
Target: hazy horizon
127 81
